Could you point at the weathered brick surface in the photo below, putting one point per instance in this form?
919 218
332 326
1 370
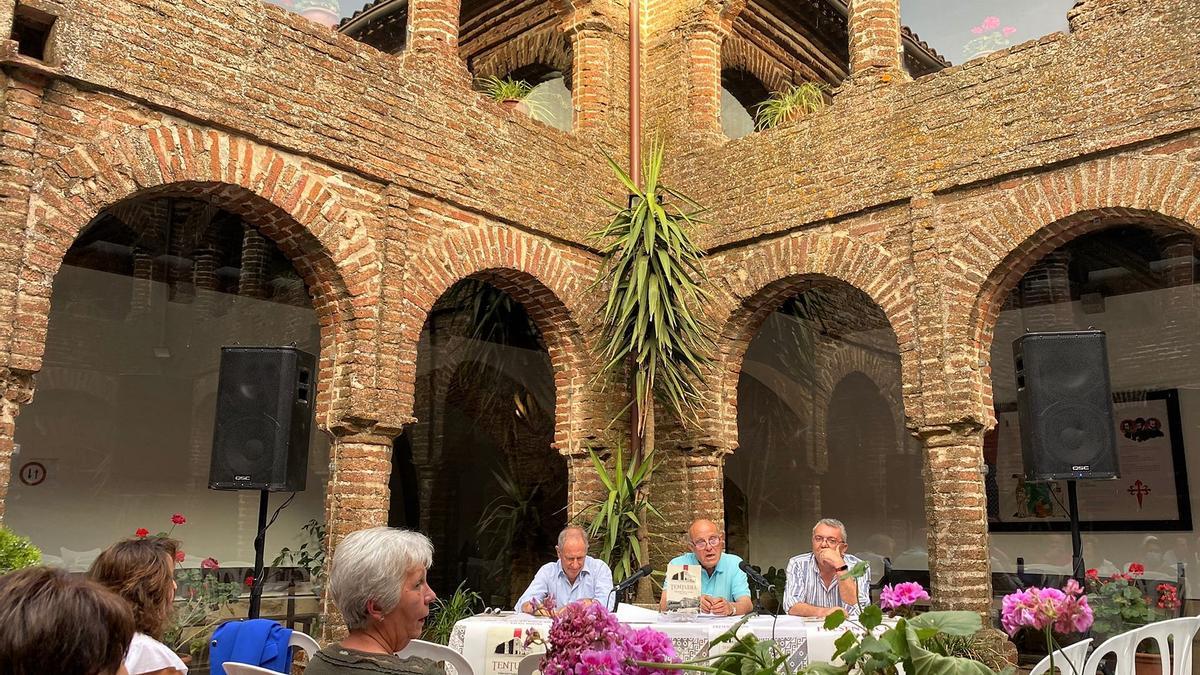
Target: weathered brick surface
386 179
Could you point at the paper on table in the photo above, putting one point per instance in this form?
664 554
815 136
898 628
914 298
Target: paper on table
633 614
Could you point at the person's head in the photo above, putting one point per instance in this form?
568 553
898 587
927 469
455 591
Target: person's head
143 572
572 551
707 541
829 533
1153 423
53 623
378 583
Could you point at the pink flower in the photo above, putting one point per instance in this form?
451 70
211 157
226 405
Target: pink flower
210 564
1009 30
179 556
1092 574
178 519
901 595
991 23
587 639
142 533
978 30
1064 611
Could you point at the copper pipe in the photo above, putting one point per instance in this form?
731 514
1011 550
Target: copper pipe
635 92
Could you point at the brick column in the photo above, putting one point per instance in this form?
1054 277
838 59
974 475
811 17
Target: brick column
704 77
433 26
21 107
597 69
956 511
875 39
1046 293
254 265
357 496
17 391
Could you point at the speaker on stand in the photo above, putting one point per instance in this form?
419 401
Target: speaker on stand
1064 403
265 399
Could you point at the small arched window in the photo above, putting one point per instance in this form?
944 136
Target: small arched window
741 93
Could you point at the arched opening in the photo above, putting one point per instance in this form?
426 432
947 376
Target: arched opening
145 298
1136 281
741 93
490 489
819 415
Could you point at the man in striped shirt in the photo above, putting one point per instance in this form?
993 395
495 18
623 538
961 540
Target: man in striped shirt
814 583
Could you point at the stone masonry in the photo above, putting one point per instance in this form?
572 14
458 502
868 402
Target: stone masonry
385 179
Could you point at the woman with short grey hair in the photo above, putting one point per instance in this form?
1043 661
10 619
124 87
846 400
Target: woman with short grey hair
377 581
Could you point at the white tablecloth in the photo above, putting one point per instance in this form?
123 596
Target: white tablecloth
493 644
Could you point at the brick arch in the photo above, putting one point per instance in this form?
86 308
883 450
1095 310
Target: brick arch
838 364
1034 216
547 46
737 53
550 281
284 197
756 281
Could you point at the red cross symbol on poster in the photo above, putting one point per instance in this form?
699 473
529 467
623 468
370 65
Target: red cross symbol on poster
1139 490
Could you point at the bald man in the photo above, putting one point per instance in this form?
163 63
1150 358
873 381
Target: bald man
724 588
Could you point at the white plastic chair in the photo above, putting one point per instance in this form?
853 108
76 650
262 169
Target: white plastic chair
1124 647
437 653
530 664
305 643
1068 661
232 668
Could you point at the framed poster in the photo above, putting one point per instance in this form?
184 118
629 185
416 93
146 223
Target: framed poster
1151 492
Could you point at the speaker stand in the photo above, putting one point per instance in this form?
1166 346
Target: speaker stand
1076 540
260 543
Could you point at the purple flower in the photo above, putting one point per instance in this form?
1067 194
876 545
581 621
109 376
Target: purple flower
599 662
901 595
587 639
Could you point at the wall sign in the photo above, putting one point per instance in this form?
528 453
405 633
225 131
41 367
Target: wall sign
32 473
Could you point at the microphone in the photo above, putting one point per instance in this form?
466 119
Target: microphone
632 579
755 576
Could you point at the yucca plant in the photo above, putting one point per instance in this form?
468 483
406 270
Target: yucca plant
616 521
784 105
652 329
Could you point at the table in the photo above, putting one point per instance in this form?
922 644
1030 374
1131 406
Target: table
494 644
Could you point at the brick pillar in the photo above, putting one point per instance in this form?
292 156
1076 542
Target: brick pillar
956 511
254 265
595 76
433 26
1046 293
357 496
1180 317
875 39
204 277
143 272
20 104
704 77
17 391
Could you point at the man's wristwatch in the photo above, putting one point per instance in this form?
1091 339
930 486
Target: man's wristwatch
843 568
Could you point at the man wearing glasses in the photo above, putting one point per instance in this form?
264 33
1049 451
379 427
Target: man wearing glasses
724 589
814 583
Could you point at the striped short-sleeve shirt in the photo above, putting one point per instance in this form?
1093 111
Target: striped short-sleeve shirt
804 584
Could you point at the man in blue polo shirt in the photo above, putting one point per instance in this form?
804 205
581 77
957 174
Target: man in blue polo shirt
724 589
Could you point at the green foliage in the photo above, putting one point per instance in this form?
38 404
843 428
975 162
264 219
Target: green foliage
788 104
502 89
615 520
651 312
16 552
1119 604
448 611
310 556
512 517
201 602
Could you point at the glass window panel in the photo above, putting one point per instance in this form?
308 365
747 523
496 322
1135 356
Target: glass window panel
961 31
736 120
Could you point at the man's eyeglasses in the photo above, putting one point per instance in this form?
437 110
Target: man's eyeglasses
711 542
832 541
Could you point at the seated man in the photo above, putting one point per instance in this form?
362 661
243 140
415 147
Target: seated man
814 583
574 576
724 589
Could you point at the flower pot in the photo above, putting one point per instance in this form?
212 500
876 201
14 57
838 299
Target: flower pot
515 104
321 15
1148 664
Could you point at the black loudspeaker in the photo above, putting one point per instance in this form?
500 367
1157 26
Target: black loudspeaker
264 415
1065 406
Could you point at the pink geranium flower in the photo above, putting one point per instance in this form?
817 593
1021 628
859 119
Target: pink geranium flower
178 519
991 23
901 595
210 564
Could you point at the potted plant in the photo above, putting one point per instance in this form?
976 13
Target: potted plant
789 104
507 91
325 12
1124 601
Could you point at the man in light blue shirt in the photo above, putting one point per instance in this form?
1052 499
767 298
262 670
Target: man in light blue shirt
724 588
574 577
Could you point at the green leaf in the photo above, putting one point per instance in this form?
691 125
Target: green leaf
871 617
948 622
834 620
